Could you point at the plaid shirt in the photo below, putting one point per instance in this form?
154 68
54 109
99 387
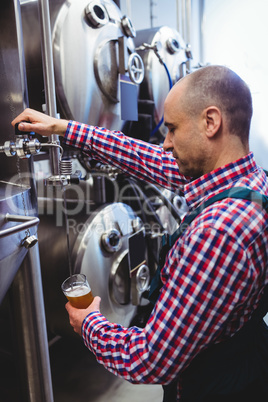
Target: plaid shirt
213 276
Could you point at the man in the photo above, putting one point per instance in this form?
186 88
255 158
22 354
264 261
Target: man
215 273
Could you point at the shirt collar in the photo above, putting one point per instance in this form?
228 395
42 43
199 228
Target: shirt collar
218 179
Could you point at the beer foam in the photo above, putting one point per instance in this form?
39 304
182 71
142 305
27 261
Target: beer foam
77 291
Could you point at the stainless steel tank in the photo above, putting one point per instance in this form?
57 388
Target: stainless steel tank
164 54
23 333
99 235
88 38
89 91
92 45
17 192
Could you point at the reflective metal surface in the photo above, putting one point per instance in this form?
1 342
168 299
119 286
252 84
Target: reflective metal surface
19 263
108 273
171 49
98 236
16 193
12 254
12 99
86 55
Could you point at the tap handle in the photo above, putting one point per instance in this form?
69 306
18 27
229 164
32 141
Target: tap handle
18 132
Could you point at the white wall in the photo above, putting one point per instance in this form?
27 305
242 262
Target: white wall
235 34
164 12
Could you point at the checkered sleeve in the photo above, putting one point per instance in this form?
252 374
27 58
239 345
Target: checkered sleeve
135 157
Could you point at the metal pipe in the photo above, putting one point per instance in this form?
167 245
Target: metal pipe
183 22
28 313
129 10
49 79
22 69
29 221
184 19
201 27
178 9
152 16
188 22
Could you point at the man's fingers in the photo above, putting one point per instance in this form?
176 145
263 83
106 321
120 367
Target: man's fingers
96 303
25 127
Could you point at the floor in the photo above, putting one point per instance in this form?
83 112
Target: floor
77 377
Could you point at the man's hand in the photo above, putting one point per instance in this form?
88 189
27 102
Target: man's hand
40 123
77 316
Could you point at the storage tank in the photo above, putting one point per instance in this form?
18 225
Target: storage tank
166 58
91 91
91 226
94 58
23 334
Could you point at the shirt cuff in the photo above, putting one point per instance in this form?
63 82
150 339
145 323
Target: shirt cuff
92 323
78 135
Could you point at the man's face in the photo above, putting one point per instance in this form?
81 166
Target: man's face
185 137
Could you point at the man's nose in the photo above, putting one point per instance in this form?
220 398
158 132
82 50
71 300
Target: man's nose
167 144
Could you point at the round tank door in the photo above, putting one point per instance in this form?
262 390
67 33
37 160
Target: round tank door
87 58
111 252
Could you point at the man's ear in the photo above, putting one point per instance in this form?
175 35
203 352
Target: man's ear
213 118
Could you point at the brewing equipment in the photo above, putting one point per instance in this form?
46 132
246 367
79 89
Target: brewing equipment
20 273
165 55
90 81
95 220
106 71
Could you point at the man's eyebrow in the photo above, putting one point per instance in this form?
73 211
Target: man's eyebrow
167 124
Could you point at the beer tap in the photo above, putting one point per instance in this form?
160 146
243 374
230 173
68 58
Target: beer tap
26 146
23 147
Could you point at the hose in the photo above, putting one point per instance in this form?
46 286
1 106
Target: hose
166 202
170 86
135 187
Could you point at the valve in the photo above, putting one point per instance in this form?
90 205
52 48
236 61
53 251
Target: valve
23 147
63 180
188 51
155 47
142 278
29 241
127 27
135 68
66 176
111 240
173 45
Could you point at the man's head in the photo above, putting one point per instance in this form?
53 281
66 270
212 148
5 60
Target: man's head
208 115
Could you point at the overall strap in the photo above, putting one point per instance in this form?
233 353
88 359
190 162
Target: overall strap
169 241
234 192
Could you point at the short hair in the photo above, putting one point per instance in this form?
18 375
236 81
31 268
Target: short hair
219 86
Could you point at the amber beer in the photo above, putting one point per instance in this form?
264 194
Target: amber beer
79 296
77 291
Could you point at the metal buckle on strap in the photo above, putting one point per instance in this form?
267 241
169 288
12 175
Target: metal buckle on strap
165 247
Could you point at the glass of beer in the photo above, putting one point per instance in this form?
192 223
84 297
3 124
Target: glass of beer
77 291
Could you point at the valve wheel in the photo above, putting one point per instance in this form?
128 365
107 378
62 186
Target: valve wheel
136 68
